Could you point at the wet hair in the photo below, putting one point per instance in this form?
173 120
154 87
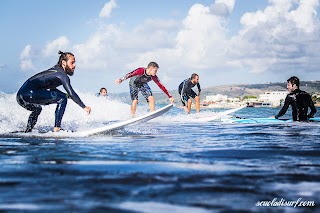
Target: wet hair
103 89
64 56
194 75
294 80
153 64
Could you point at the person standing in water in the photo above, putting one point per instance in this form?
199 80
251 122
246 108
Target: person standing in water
139 82
186 92
41 89
299 100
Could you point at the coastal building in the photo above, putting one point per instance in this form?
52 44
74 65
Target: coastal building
268 99
276 98
220 101
215 98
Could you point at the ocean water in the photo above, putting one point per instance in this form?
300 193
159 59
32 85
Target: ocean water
169 164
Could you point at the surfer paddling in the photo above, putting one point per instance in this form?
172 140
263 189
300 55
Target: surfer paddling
299 100
139 79
186 92
41 89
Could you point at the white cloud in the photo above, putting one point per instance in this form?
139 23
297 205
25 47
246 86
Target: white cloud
25 58
283 37
269 41
111 45
53 47
107 9
222 7
201 40
305 15
100 49
284 34
230 3
25 52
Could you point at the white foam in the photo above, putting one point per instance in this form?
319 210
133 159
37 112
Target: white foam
13 117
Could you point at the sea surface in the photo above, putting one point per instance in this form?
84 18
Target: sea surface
170 164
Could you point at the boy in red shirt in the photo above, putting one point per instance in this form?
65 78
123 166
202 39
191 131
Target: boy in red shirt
139 82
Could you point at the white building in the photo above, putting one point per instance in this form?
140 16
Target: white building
233 99
215 98
220 101
275 97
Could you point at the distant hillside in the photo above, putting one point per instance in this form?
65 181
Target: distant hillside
232 91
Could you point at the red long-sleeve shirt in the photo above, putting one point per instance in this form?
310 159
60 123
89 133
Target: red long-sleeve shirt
143 77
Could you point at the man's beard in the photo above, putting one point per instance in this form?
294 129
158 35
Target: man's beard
69 71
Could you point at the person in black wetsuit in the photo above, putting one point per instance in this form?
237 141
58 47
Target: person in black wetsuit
299 100
41 89
186 92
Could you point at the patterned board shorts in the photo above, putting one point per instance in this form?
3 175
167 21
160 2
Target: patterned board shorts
144 89
185 97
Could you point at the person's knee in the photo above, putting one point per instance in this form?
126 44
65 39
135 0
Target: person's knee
151 99
63 99
197 98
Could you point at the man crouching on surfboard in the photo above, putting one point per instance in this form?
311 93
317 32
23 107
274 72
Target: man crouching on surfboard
41 89
186 92
299 100
139 82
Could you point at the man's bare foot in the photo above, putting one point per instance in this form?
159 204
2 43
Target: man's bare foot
56 129
186 110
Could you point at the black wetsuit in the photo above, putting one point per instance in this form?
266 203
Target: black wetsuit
300 101
40 89
185 90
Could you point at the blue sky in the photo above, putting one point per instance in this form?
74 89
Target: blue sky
225 41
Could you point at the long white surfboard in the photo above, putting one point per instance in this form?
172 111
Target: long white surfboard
121 124
218 115
86 133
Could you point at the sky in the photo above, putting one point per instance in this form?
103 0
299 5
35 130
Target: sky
224 41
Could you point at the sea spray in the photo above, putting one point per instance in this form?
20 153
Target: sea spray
13 117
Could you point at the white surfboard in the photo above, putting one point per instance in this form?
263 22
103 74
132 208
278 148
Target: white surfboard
86 133
219 115
121 124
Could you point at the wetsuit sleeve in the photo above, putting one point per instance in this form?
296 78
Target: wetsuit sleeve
135 72
199 88
73 95
160 85
285 107
312 107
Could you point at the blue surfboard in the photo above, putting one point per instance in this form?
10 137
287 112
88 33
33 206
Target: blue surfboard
269 120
